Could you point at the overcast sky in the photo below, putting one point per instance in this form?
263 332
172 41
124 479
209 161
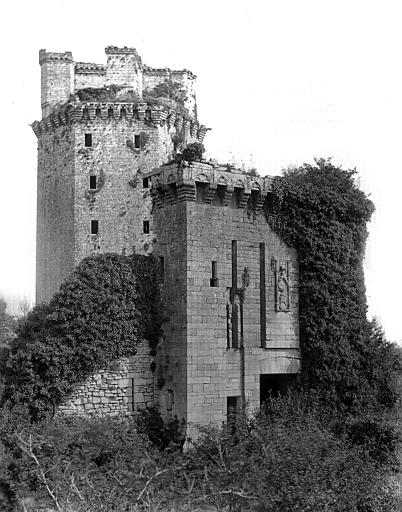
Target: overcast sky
279 82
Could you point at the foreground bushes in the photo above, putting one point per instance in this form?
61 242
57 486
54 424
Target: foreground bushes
284 460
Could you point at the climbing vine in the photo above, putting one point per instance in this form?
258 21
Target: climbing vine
319 210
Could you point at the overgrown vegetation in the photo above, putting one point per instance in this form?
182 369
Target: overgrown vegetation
319 210
330 446
191 153
101 312
168 89
114 93
283 460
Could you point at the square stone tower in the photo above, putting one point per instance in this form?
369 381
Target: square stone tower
230 290
103 128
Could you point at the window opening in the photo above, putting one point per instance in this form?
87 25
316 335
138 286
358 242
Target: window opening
137 141
94 227
145 183
88 140
146 226
214 281
92 182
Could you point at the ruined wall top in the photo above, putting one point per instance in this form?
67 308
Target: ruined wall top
209 183
62 77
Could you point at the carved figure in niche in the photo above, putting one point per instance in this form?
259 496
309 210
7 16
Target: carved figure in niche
233 318
282 288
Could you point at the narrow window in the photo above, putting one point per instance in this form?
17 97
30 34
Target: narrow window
145 183
92 182
145 225
234 266
162 269
94 227
88 140
137 141
235 322
214 275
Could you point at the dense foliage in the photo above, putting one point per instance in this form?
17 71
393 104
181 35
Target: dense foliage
7 333
101 312
283 460
319 210
192 152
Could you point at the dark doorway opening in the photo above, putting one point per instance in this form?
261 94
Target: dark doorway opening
273 384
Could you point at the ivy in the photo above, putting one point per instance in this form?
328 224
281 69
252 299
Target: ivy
108 305
319 210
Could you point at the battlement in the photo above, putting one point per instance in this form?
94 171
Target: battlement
61 77
208 183
90 67
45 56
148 113
125 50
166 72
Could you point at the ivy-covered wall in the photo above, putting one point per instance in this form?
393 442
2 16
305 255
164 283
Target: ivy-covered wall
104 310
319 210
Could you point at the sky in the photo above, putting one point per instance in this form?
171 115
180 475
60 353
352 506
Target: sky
279 83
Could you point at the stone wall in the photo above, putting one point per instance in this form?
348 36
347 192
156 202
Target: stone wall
214 209
127 385
57 79
87 74
55 210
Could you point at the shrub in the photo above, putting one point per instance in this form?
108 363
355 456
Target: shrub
192 152
276 462
162 434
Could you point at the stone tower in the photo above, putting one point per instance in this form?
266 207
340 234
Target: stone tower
103 128
230 284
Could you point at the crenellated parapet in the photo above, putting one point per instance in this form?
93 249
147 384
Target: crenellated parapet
208 183
166 72
157 115
62 77
89 68
45 56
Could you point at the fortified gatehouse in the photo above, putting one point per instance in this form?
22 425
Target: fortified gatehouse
230 284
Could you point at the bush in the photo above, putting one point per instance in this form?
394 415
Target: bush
101 312
162 434
280 461
192 152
